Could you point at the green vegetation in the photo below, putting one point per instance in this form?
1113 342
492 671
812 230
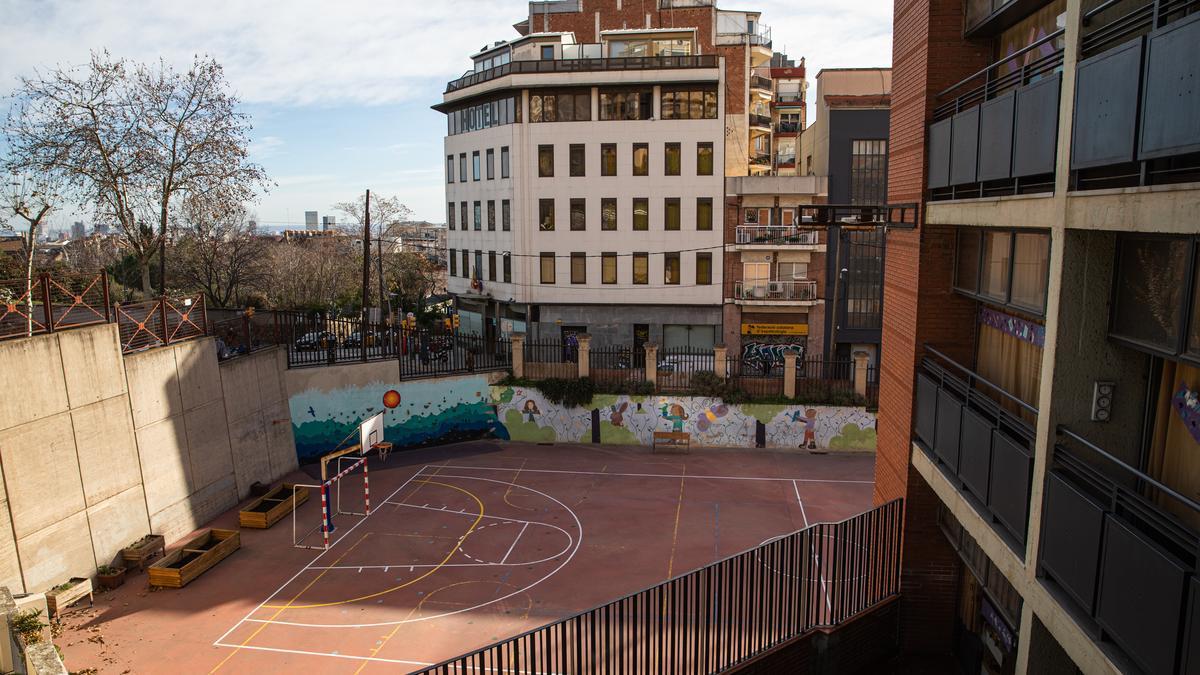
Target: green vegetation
28 624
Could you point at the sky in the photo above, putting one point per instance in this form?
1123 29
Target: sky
339 92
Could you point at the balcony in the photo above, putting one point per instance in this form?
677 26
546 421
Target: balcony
1114 550
583 64
802 292
751 237
996 132
760 82
785 161
761 159
789 98
733 29
787 128
982 439
757 121
1136 102
777 185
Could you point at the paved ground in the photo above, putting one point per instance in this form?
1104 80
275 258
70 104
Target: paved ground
465 545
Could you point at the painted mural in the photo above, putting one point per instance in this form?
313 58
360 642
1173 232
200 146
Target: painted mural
524 414
329 407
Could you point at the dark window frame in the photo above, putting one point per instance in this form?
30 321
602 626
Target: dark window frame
605 203
577 160
543 212
1189 301
607 258
706 280
634 216
505 162
641 257
491 215
475 168
608 168
702 201
453 262
977 293
577 205
645 149
542 258
490 164
579 263
449 168
545 170
667 258
491 265
712 158
672 204
672 159
505 215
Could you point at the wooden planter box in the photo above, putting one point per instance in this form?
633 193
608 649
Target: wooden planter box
139 553
58 600
271 507
194 558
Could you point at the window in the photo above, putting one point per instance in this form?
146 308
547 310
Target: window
491 206
641 159
478 216
608 213
1152 289
787 217
504 162
466 263
475 165
704 159
704 208
453 263
578 159
578 215
671 217
793 271
755 275
505 110
671 269
561 107
868 172
464 223
450 216
689 104
547 268
545 161
546 215
1031 269
462 167
478 266
1003 267
641 213
997 247
608 159
491 164
757 216
626 104
578 268
449 168
636 47
641 268
547 52
491 265
507 269
608 268
672 159
703 269
966 276
505 216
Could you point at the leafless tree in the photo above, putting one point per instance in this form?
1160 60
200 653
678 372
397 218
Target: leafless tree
314 274
217 252
386 214
30 197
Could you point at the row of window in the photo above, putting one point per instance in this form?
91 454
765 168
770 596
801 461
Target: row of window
477 171
639 214
575 105
639 159
477 212
609 267
496 113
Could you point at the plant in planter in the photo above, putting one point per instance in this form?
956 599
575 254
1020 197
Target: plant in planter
143 550
28 625
65 594
110 577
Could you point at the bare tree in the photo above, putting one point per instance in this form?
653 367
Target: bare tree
314 274
218 253
386 214
30 197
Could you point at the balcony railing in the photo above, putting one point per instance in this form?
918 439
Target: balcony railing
1135 97
996 131
768 291
583 65
789 97
777 235
761 121
788 127
1115 543
760 82
982 437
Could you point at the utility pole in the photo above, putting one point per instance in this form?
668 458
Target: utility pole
384 300
366 285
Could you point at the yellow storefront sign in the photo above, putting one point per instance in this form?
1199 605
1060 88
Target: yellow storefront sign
774 329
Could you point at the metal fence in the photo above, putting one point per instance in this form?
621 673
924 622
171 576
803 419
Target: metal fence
53 302
677 365
617 365
245 333
872 386
816 378
159 322
718 616
758 377
551 358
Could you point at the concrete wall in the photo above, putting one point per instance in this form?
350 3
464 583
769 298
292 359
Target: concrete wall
97 450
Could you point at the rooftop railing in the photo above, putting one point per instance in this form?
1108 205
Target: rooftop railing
583 65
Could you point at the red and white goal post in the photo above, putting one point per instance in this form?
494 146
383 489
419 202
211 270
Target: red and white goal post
370 435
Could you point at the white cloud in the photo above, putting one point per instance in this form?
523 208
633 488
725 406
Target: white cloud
265 147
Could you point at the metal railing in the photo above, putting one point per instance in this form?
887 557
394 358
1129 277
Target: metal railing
760 82
245 333
1104 28
720 615
788 128
788 160
677 365
761 121
761 35
824 380
986 84
777 235
160 322
872 386
583 65
551 359
805 290
617 365
51 302
755 376
788 97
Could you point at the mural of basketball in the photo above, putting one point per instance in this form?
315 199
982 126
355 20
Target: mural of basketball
391 398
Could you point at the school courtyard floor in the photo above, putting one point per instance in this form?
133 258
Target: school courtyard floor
466 544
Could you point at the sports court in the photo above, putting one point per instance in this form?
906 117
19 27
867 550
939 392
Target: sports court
464 545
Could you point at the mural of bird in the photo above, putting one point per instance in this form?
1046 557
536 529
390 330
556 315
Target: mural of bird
311 411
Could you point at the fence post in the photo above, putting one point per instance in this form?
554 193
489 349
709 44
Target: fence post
362 338
518 355
789 373
720 366
162 318
47 307
652 364
585 354
860 373
247 339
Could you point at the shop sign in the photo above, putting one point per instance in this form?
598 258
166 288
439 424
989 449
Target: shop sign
774 329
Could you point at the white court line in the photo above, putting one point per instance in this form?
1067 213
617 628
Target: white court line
423 566
816 558
647 475
514 544
469 514
310 563
336 656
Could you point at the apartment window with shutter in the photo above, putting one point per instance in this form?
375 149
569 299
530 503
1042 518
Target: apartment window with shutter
578 215
672 158
641 159
578 268
641 268
608 213
671 210
704 213
547 268
608 268
703 269
704 159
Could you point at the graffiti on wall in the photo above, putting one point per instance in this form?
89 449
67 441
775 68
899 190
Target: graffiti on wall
526 415
758 353
325 412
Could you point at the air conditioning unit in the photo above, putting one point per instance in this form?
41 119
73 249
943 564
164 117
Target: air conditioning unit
775 287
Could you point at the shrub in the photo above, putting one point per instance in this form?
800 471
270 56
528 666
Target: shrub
28 624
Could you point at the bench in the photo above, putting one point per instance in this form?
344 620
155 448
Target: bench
671 439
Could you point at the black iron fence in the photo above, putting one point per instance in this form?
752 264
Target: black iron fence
756 377
551 359
245 333
718 616
617 365
816 378
677 365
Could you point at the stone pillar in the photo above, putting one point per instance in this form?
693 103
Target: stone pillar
518 355
789 373
585 354
860 372
719 363
652 363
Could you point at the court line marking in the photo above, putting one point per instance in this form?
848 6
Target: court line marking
336 656
650 475
514 544
578 543
675 532
465 513
815 557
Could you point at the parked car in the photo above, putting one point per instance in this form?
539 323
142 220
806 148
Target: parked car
321 339
355 339
685 363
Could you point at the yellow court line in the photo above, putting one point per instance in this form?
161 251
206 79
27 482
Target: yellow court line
510 487
283 607
675 534
393 589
